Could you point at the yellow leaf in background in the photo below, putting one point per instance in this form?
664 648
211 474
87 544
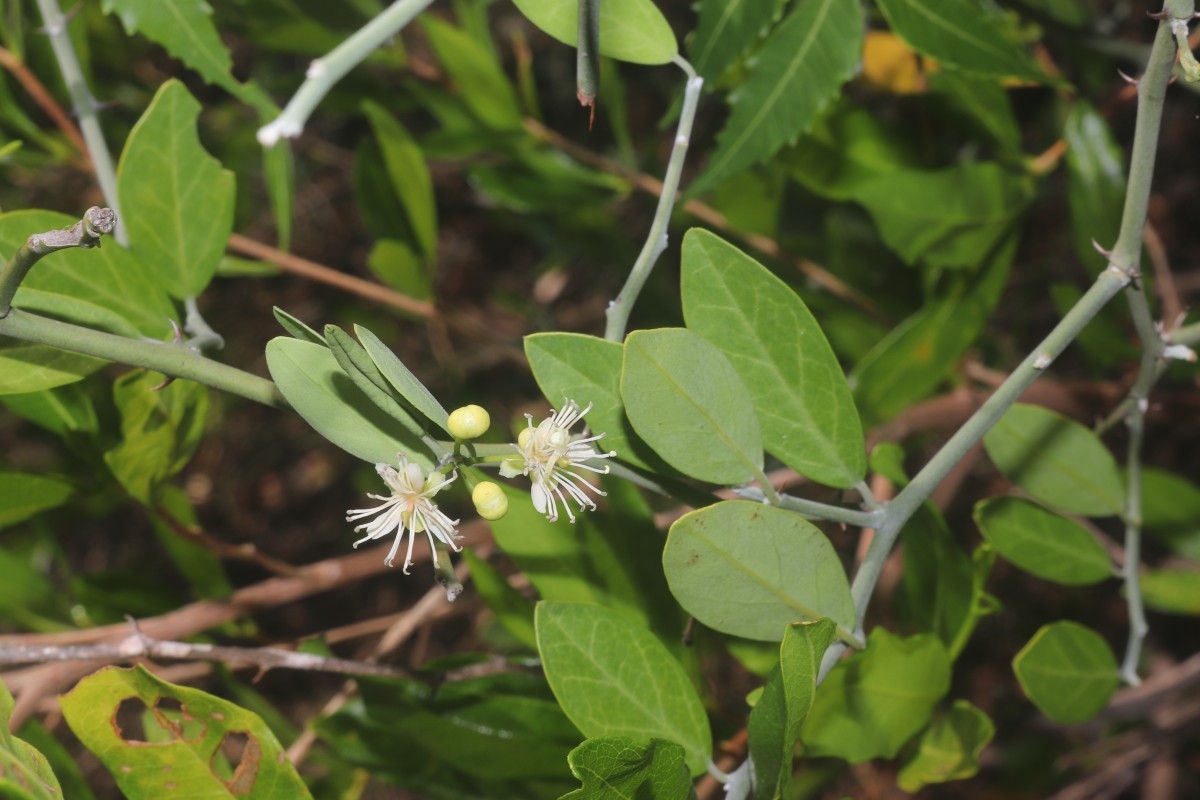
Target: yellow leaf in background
891 65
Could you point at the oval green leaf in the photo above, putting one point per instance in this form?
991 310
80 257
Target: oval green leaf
401 378
315 386
630 30
1172 591
1041 542
1056 460
685 400
750 570
1067 671
614 678
184 738
948 749
799 391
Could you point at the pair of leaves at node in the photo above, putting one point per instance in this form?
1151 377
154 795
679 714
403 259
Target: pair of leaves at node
361 397
752 365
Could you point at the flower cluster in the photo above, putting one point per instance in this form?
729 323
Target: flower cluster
409 508
549 454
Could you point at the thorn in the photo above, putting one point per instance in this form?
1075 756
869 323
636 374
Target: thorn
1101 250
166 381
1159 15
1128 79
177 334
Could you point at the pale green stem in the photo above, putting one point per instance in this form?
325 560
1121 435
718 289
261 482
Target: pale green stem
325 72
85 108
587 55
86 233
174 360
812 509
656 241
1133 548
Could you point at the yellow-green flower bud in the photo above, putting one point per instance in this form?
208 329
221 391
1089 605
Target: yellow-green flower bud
490 500
469 422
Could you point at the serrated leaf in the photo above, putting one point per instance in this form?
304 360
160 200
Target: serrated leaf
960 33
630 30
686 401
876 700
186 30
185 758
612 677
796 73
25 774
750 570
177 199
948 749
727 29
1056 460
1041 542
1067 671
318 390
801 396
402 379
620 768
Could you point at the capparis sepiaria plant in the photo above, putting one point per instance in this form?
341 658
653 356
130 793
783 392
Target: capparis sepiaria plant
874 460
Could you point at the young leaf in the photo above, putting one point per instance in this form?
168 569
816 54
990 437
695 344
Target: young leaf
685 399
874 701
1041 542
630 30
318 390
296 328
779 714
750 570
483 86
1056 460
614 678
1172 591
1067 671
357 364
186 749
727 29
795 74
405 165
948 749
960 33
1095 182
177 200
401 378
803 401
618 768
25 773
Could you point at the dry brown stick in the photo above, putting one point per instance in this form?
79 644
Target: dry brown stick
710 215
45 101
237 552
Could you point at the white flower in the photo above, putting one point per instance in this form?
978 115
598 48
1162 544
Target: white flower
408 508
549 453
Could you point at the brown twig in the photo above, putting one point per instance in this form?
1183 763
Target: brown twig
235 552
45 101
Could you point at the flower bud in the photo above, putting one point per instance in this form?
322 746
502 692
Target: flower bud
469 422
490 500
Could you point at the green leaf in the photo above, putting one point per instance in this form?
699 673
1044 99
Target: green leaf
1067 671
876 700
1041 542
511 608
793 76
160 429
1095 182
953 217
25 774
686 400
67 411
620 768
960 33
936 595
397 265
176 198
405 165
402 380
357 364
199 565
1056 460
186 755
587 369
59 758
949 749
1171 511
186 30
779 714
296 328
614 678
279 175
1172 591
481 84
803 401
630 30
318 390
22 496
750 570
727 29
984 102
